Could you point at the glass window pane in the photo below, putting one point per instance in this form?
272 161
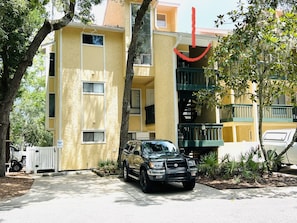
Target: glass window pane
87 87
93 136
98 88
88 136
52 65
135 102
98 137
93 39
93 88
51 105
144 48
161 20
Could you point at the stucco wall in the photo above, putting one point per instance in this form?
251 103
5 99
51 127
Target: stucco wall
83 63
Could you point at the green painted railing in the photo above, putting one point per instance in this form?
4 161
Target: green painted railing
278 113
243 113
193 79
236 113
200 135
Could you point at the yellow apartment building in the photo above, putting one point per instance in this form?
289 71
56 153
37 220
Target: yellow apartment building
86 81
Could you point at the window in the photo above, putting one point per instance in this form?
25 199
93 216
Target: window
52 65
92 39
144 44
96 88
135 102
93 136
51 105
161 20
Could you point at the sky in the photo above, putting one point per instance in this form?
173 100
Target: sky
206 12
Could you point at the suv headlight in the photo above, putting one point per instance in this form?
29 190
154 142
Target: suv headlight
191 163
156 165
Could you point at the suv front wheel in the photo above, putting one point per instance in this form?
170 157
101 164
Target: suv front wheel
189 185
126 172
145 183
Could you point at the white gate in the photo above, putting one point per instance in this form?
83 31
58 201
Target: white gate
41 159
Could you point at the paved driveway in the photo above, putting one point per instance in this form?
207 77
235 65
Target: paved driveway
85 197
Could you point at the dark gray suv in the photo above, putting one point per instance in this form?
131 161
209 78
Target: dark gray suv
152 161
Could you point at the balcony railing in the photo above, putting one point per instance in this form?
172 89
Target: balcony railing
150 114
236 113
192 79
243 113
200 135
278 113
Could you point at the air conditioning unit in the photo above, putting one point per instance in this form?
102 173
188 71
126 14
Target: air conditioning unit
142 135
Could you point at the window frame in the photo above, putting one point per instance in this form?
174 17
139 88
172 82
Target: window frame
52 64
51 105
163 21
92 44
93 83
131 102
141 57
94 132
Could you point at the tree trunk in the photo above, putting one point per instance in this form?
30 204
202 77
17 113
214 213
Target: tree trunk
4 123
129 77
289 145
11 86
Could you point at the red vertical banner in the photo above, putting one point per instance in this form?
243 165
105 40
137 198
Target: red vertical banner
193 27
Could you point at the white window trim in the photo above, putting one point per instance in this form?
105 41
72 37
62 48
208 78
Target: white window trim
93 131
140 103
93 93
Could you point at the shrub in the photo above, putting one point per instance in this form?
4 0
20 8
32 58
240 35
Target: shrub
208 165
247 168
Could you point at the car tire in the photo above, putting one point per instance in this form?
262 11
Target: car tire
15 166
189 185
126 172
145 183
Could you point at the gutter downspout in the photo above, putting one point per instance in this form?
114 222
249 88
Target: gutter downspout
60 100
175 100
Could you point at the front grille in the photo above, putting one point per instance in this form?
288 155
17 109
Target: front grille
171 164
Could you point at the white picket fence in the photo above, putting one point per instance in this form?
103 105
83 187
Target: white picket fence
41 159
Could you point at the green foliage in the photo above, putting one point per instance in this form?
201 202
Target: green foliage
28 115
273 161
261 49
108 167
246 169
209 165
260 52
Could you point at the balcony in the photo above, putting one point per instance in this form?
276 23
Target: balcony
236 113
243 113
192 79
200 135
278 113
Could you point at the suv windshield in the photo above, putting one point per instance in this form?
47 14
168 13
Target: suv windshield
160 147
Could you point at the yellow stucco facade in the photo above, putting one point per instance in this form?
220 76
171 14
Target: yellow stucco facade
85 93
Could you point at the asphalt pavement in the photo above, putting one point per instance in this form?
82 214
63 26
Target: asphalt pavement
84 197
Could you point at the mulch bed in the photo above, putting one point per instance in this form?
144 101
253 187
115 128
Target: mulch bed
14 185
275 180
